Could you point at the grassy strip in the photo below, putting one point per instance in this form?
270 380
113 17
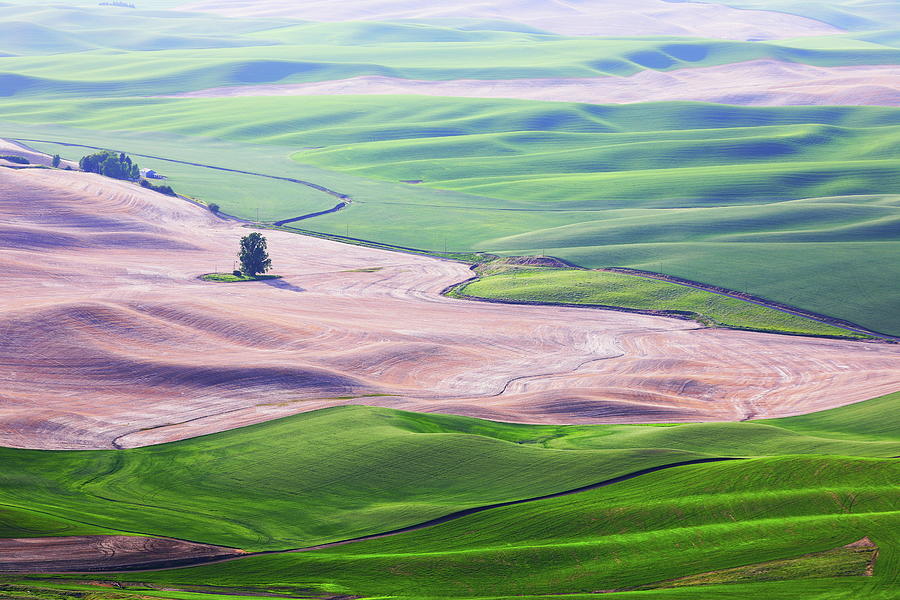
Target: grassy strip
577 286
232 278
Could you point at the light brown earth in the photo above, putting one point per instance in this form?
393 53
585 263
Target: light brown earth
626 18
754 83
108 337
103 553
36 158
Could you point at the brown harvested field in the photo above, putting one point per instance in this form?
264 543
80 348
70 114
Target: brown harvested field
36 158
753 83
108 338
626 18
103 553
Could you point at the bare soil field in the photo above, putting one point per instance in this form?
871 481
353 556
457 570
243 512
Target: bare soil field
35 158
607 17
753 83
109 339
103 553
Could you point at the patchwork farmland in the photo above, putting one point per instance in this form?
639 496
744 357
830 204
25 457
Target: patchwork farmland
564 299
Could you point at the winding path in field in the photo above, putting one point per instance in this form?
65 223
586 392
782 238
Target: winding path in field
117 343
120 554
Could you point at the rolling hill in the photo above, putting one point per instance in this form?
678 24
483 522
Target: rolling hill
809 490
780 202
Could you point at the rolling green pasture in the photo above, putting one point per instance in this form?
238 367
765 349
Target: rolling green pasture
629 291
817 482
350 471
796 204
79 51
101 73
665 525
309 479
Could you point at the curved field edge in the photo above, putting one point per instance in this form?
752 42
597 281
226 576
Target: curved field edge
504 280
348 471
824 225
650 297
700 305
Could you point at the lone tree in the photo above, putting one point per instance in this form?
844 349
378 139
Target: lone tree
56 160
111 164
254 256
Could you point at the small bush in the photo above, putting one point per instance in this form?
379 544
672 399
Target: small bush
214 208
162 189
19 160
237 273
56 160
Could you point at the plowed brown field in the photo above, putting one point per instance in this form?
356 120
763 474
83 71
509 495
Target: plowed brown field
107 337
103 553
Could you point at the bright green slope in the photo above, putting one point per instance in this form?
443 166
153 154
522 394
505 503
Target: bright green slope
629 291
797 204
308 479
344 472
660 526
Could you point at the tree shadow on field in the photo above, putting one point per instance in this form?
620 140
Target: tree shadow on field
281 284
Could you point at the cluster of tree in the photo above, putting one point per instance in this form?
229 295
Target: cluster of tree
111 164
162 189
19 160
254 255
